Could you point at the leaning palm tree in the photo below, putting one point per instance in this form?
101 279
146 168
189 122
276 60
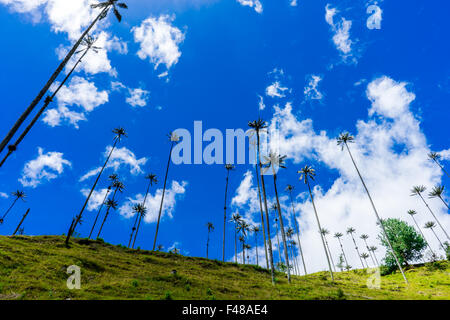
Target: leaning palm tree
350 231
364 237
365 256
259 126
17 195
435 157
243 228
412 213
151 180
343 140
110 204
140 211
228 167
19 229
289 235
276 161
253 142
210 227
417 191
324 233
255 230
373 249
173 138
105 7
307 173
247 247
289 189
236 218
113 178
88 44
437 191
119 133
431 225
338 236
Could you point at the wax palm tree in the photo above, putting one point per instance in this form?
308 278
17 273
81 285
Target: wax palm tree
435 157
255 230
364 237
20 223
105 7
417 191
210 227
289 189
278 239
118 134
253 142
308 173
159 247
17 195
289 235
276 161
112 178
228 167
365 256
373 249
412 213
247 247
88 44
294 255
350 231
343 140
431 225
110 204
258 126
118 187
151 181
338 236
236 218
324 233
437 191
242 240
173 138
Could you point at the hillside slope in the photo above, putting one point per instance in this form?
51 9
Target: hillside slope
35 268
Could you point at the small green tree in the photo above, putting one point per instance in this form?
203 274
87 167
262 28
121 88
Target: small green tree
406 243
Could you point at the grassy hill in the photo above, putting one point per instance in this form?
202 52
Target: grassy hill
35 268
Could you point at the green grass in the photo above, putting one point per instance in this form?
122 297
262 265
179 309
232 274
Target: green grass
35 268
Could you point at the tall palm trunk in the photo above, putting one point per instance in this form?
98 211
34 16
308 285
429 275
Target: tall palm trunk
279 246
41 111
207 246
423 236
261 209
272 269
133 229
9 209
329 252
78 218
283 233
442 246
370 253
225 216
162 197
432 213
357 251
243 252
343 253
374 255
55 74
444 202
235 243
320 231
140 215
442 168
297 230
376 213
98 213
256 247
21 221
106 214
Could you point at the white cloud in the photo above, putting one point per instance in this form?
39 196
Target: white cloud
293 3
153 202
276 90
96 198
253 4
159 41
445 154
119 158
311 91
46 167
80 92
4 195
341 30
261 104
137 97
374 20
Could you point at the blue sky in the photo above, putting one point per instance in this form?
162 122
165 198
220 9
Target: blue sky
387 84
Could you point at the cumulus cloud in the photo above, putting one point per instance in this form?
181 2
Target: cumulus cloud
4 195
153 202
341 30
293 3
311 91
80 92
120 157
137 97
159 41
96 198
276 90
256 4
46 167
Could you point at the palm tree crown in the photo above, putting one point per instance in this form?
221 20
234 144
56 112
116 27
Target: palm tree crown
19 195
338 235
364 236
307 172
152 179
434 156
345 138
140 209
110 203
112 3
430 225
437 191
412 212
119 133
417 190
